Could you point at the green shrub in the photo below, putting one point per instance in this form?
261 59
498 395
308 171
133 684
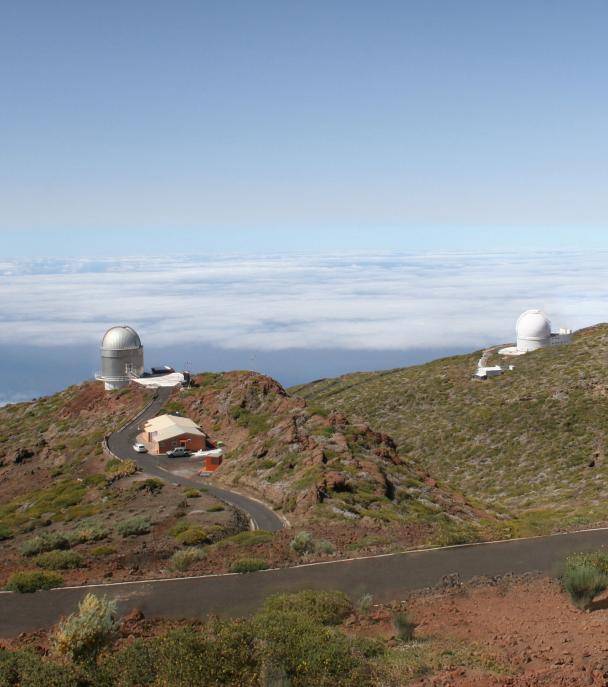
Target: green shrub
181 560
256 424
179 527
303 543
152 485
327 608
49 541
88 530
225 653
82 635
115 469
5 532
27 581
305 653
583 579
324 546
192 536
246 538
134 527
365 603
215 508
102 550
404 626
247 565
192 493
597 559
58 560
28 669
135 666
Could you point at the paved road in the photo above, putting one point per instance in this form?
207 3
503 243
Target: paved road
121 444
385 577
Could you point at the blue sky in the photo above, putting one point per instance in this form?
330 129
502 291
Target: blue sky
151 127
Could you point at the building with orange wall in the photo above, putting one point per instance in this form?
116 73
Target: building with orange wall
166 432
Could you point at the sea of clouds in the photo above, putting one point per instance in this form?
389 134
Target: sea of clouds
270 303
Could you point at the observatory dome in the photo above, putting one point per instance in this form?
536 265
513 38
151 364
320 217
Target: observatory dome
120 339
122 357
533 330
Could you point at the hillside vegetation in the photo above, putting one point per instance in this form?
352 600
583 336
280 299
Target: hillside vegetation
317 467
531 442
66 506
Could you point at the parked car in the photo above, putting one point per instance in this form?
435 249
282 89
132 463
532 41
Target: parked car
178 452
140 448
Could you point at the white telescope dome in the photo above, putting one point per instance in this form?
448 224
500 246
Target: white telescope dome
533 331
533 325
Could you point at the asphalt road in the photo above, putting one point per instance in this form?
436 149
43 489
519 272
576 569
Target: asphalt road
121 445
386 578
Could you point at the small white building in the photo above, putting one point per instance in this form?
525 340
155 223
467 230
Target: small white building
485 372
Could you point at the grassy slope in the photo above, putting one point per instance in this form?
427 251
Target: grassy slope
321 470
54 476
532 442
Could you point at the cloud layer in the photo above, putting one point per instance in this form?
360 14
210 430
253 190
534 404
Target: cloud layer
386 301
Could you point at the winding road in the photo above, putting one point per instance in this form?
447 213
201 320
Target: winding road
121 444
386 577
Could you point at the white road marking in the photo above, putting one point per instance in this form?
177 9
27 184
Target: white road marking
331 562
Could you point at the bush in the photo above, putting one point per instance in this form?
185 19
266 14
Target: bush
584 579
225 653
305 653
246 538
88 530
5 533
365 603
82 635
215 508
134 666
26 582
247 565
28 669
324 546
179 527
596 559
303 543
192 536
58 560
102 550
134 527
184 558
192 493
49 541
405 626
327 608
115 469
153 485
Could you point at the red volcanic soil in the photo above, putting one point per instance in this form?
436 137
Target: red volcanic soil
529 626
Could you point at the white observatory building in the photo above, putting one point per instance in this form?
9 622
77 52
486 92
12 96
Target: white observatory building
122 357
533 331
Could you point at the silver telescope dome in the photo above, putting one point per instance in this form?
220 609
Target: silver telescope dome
122 357
121 338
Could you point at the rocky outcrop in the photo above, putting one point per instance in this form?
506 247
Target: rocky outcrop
304 461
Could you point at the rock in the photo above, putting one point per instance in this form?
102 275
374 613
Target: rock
21 455
134 616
